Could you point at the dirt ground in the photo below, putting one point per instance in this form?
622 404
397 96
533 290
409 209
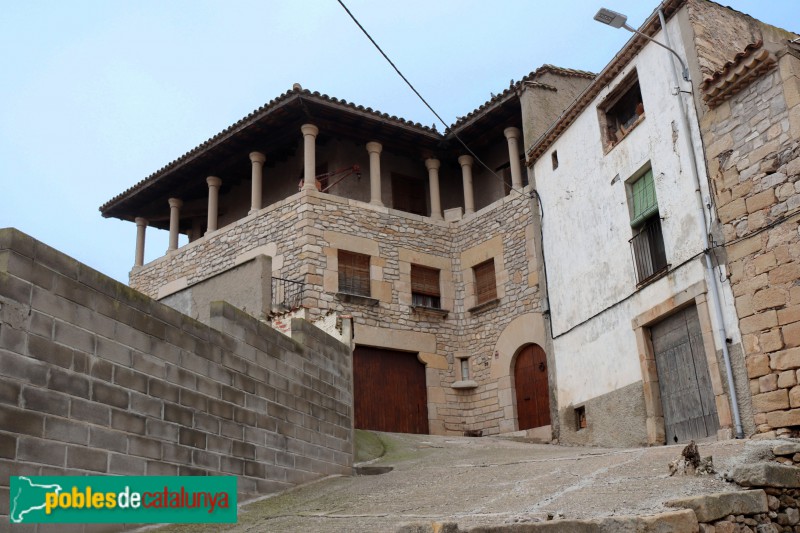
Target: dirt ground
485 481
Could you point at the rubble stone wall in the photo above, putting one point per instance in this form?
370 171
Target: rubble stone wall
753 146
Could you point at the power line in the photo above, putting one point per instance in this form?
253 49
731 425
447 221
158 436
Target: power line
447 128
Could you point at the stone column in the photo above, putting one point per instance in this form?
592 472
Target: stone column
374 149
466 172
175 205
513 135
213 202
309 156
257 159
141 227
433 181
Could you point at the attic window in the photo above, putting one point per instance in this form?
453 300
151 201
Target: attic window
622 111
554 159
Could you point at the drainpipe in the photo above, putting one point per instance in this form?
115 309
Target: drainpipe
685 132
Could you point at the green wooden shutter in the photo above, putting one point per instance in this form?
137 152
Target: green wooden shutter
643 194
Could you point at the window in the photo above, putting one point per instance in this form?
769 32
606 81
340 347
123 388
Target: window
425 287
485 285
354 273
464 369
622 111
554 159
647 244
580 418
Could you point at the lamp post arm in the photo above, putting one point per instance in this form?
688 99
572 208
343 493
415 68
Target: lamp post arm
680 60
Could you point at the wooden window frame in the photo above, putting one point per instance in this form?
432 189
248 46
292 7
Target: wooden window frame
485 282
354 273
426 287
617 114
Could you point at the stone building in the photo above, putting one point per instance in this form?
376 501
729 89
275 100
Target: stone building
749 106
635 286
432 253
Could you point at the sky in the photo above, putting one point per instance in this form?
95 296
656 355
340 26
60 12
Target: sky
96 95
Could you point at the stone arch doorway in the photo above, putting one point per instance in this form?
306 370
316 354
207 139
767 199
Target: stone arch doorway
531 388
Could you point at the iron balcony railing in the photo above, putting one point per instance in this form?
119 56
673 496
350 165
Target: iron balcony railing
647 248
287 294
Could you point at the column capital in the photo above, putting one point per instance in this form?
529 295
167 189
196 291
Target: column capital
512 133
213 181
257 157
140 221
175 202
374 147
465 160
309 129
432 164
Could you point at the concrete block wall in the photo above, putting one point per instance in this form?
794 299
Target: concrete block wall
97 378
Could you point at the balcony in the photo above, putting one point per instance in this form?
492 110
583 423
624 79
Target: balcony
647 249
287 294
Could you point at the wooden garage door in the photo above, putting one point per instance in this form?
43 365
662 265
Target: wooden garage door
686 395
390 391
530 384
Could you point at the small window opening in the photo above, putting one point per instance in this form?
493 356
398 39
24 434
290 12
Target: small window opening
464 369
485 284
623 111
425 287
580 418
354 273
554 158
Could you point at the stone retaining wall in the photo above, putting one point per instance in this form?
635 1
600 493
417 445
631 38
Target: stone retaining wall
96 378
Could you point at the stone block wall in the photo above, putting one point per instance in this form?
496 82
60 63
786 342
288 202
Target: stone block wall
303 235
97 378
753 146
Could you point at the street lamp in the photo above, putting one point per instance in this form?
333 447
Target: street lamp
618 20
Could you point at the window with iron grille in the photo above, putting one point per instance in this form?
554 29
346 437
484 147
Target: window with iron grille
485 284
647 243
354 273
425 287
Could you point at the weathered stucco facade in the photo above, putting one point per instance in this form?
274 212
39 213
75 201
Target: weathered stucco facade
602 310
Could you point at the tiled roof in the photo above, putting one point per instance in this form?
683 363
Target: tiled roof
296 92
514 86
737 73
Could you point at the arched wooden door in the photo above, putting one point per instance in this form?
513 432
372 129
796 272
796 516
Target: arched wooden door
530 382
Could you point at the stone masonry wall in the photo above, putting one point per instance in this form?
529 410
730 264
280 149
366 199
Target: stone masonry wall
96 378
303 234
273 231
753 149
518 291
